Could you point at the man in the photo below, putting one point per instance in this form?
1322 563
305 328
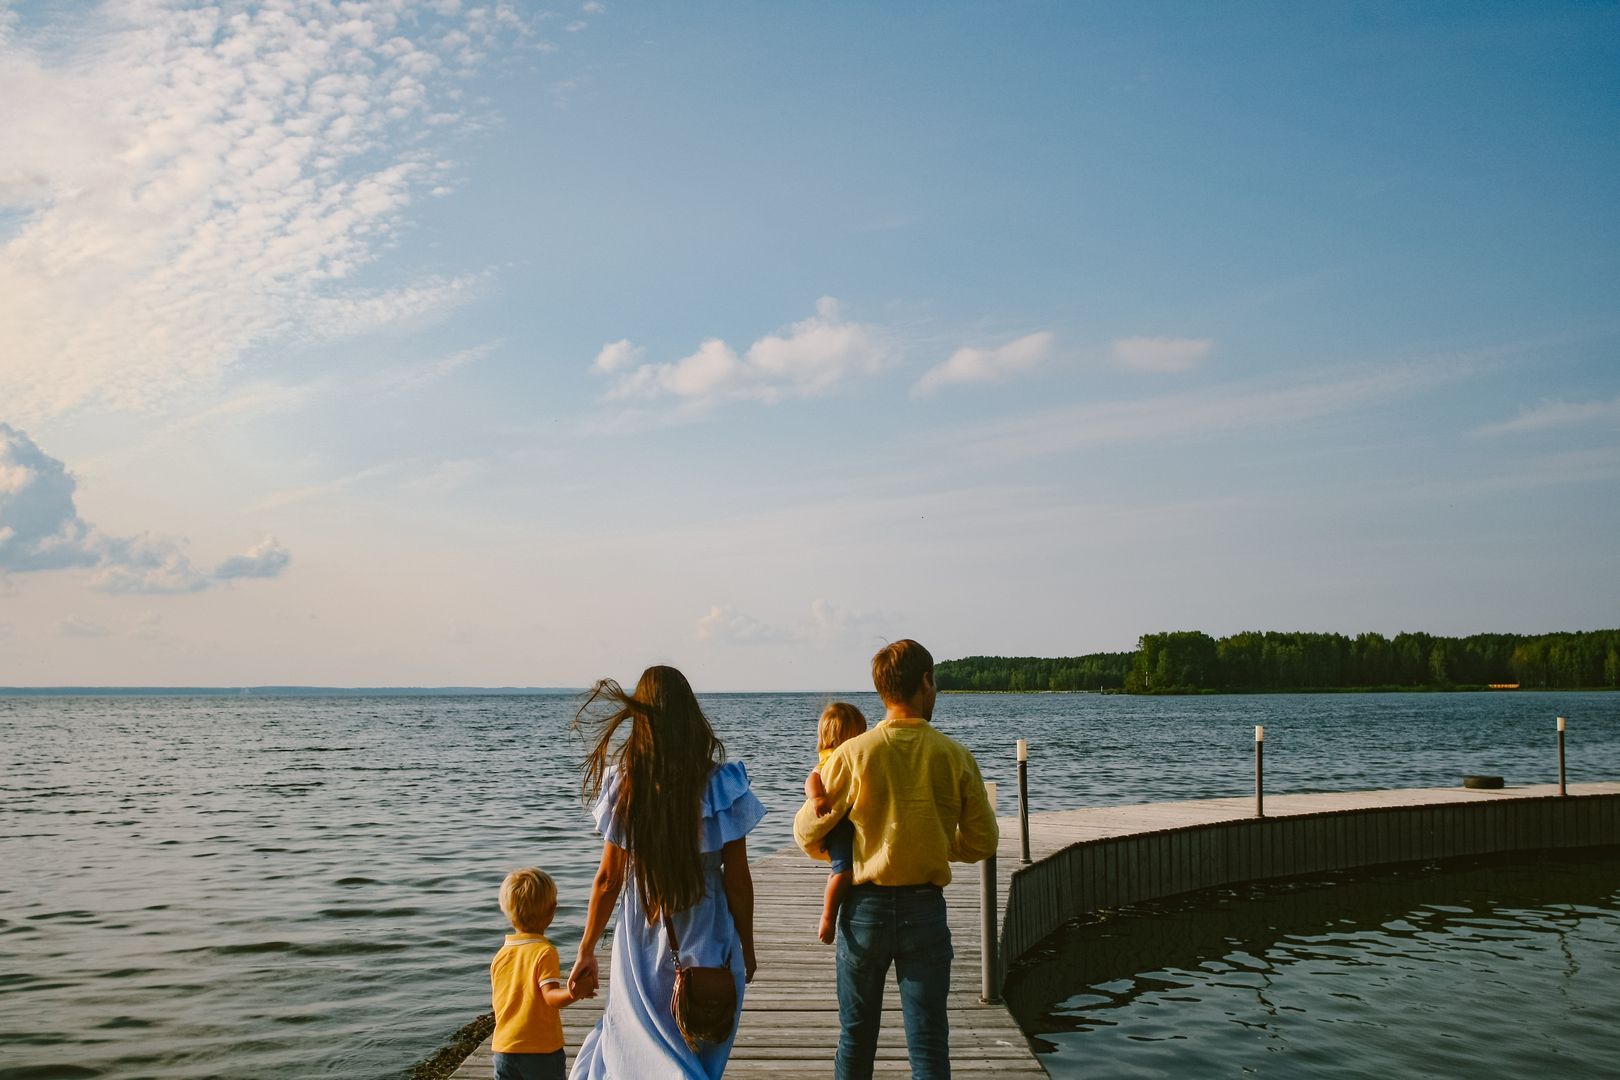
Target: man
918 804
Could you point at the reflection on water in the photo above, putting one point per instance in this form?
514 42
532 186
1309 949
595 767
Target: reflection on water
303 887
1484 968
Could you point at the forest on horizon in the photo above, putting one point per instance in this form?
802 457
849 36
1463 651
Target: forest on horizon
1190 661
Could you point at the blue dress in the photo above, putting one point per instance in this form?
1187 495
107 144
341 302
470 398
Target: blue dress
636 1037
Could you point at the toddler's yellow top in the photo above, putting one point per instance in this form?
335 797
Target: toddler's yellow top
524 1023
916 799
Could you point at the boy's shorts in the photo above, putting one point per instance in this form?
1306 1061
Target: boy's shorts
552 1066
840 847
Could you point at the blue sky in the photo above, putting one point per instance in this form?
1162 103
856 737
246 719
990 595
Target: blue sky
459 343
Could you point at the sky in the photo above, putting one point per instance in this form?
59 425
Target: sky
468 343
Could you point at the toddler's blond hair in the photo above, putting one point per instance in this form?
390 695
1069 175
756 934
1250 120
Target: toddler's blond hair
525 896
840 722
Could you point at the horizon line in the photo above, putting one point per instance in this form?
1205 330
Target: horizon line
238 688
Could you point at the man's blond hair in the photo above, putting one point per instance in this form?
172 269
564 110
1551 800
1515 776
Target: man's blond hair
526 895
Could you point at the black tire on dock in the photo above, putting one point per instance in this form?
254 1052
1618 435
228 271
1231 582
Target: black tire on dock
1482 781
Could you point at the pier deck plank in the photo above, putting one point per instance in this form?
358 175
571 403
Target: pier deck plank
789 1025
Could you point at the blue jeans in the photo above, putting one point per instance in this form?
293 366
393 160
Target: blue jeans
903 925
840 847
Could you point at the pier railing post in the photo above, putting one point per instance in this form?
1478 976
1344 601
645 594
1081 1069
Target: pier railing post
1562 789
1259 770
1023 800
990 980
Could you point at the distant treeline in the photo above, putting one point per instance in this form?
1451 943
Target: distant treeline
1189 661
1098 671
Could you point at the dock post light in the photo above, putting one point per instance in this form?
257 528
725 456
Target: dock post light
1023 799
1259 770
1563 789
989 982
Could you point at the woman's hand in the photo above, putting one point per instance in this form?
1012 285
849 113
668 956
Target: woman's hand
750 965
605 888
583 980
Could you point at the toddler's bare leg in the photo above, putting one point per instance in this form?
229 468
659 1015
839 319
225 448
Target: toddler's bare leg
837 885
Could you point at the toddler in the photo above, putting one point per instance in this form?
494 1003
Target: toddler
526 983
840 722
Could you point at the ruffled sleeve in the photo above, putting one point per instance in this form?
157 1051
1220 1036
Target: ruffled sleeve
730 807
607 824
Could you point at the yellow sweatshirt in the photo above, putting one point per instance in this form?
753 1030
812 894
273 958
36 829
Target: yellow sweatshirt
916 799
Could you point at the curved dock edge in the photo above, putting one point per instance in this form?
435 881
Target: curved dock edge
1104 857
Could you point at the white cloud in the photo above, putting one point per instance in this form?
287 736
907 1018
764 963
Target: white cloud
446 476
1160 354
1556 414
415 378
40 530
189 183
146 566
1600 465
149 627
76 626
40 527
617 356
829 621
364 311
292 496
1181 416
810 357
266 559
256 399
728 626
974 365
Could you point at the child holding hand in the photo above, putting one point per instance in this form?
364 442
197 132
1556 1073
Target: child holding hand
840 721
526 983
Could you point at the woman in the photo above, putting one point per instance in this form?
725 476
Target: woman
674 815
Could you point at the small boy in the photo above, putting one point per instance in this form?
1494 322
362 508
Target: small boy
526 983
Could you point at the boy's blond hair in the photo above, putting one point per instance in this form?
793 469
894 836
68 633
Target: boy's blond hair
840 721
525 896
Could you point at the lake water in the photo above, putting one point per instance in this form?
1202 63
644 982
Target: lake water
1480 968
303 887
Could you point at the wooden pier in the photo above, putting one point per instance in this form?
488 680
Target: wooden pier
1100 857
789 1026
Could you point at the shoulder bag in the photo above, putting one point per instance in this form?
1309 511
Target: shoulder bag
705 1000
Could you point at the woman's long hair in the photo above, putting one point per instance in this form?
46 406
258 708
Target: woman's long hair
664 764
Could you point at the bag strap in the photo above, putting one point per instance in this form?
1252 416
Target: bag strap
674 942
675 945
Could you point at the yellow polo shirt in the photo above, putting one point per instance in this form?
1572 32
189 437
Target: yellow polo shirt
916 799
524 1023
